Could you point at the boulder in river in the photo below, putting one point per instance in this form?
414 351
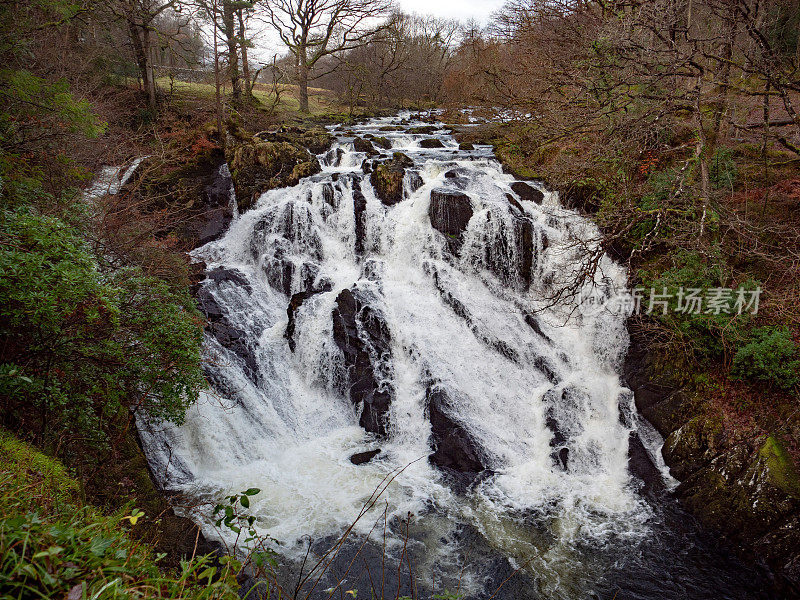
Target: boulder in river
387 179
364 145
431 143
258 166
359 458
361 334
527 192
453 448
450 212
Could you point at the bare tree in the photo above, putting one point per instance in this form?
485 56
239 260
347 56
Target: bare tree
313 29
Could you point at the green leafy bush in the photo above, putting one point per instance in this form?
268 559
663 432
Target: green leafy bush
722 169
707 334
770 355
82 345
52 546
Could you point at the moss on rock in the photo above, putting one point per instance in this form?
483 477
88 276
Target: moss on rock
258 166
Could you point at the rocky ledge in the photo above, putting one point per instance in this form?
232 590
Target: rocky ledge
746 489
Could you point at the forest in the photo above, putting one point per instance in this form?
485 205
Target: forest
293 299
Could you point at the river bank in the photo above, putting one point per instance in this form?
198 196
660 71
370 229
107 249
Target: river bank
732 444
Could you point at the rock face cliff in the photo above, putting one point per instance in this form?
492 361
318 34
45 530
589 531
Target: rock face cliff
745 488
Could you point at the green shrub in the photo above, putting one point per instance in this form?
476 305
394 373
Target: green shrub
51 546
82 345
722 169
707 334
770 355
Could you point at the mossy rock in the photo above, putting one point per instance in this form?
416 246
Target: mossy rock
423 130
693 446
41 475
382 142
431 143
466 146
259 166
387 179
364 145
781 469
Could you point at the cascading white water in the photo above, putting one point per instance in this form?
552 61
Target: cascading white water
536 393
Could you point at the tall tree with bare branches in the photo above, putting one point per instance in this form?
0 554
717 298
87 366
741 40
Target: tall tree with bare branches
313 29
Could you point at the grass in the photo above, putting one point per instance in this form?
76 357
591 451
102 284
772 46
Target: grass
54 546
320 101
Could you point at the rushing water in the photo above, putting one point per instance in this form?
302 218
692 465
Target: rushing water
453 328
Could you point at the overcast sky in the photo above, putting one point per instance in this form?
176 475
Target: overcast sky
268 43
462 10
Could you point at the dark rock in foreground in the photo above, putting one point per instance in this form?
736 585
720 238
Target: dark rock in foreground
450 212
453 449
364 457
361 333
527 192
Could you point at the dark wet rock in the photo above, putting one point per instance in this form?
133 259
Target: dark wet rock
748 490
334 156
359 210
510 254
295 303
527 192
450 212
328 193
223 274
362 145
533 323
453 447
541 363
391 128
466 146
366 166
431 143
382 142
414 181
259 166
641 466
518 210
360 458
387 179
422 130
230 337
361 334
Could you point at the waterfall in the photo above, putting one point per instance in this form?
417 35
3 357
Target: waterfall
341 323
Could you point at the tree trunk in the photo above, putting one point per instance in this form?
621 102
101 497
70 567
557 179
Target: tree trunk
302 82
229 29
248 84
142 52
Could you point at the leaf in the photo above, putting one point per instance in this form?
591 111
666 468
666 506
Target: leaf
245 501
51 551
252 491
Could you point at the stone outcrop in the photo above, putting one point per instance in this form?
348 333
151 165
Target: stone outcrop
387 178
317 140
453 447
257 166
218 325
746 488
450 212
361 334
